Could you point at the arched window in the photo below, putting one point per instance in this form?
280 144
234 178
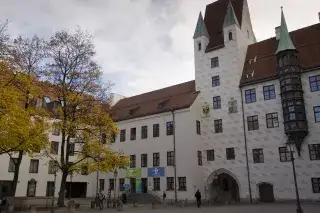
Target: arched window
199 46
230 36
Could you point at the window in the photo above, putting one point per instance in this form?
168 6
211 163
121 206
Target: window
253 123
111 184
230 36
269 92
55 129
34 166
214 62
132 161
285 155
156 130
156 159
170 183
250 95
84 170
272 120
144 160
122 135
156 184
54 147
170 158
258 155
51 167
101 184
199 46
315 185
50 188
170 128
314 83
217 102
182 183
198 127
210 155
215 81
199 158
133 132
12 164
218 126
122 182
314 151
316 110
230 154
144 132
71 149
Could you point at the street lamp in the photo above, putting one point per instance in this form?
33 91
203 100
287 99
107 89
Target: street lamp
115 174
290 146
55 169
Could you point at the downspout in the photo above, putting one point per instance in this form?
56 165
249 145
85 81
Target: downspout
175 157
245 145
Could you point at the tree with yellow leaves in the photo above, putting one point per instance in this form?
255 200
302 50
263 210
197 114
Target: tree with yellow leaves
23 129
82 115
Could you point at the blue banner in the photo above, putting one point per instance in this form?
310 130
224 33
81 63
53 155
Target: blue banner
156 172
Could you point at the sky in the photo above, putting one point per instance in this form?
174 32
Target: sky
143 45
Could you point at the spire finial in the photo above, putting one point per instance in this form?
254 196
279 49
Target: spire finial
281 8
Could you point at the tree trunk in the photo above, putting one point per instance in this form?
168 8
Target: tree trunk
62 189
16 173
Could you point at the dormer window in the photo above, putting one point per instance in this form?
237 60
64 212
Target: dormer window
133 111
230 36
162 104
47 99
199 46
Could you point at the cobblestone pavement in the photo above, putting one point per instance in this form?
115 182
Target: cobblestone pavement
255 208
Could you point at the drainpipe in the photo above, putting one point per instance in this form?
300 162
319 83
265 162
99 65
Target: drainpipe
245 145
175 157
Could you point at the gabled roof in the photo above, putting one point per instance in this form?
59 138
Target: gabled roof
214 20
285 42
307 43
201 29
176 97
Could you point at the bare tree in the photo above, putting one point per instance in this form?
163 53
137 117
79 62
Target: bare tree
4 38
82 119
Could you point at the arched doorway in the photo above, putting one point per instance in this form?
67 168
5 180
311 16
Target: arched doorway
223 187
266 192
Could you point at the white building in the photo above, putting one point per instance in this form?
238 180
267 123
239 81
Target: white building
224 133
244 121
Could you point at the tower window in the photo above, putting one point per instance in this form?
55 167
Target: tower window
199 46
214 62
230 36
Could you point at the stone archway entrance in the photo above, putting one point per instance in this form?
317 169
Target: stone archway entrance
223 187
266 192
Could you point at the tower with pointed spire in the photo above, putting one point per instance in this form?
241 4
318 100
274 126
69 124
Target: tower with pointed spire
293 106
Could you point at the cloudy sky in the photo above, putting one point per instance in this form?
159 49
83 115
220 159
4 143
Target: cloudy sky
143 45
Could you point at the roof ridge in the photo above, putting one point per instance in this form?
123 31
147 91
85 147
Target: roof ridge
165 97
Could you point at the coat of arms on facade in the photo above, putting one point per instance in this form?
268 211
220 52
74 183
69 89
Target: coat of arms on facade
232 104
206 109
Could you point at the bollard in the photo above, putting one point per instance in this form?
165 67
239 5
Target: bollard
153 204
33 209
10 208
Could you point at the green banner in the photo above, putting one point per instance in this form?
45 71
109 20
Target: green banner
133 173
138 186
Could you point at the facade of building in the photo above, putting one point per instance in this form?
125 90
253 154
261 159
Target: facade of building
224 133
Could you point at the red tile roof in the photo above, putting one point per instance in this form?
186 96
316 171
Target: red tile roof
307 43
176 97
214 18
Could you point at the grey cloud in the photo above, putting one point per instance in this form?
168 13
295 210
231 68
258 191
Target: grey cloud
143 45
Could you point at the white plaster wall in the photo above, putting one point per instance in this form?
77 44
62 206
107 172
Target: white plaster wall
186 146
42 176
270 139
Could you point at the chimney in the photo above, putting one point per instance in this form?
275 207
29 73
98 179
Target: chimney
277 32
